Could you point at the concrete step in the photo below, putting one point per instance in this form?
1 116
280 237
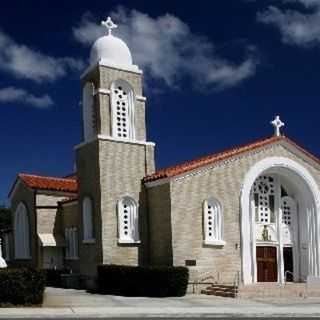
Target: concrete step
221 290
225 286
219 294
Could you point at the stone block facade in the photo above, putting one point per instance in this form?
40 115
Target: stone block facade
122 167
179 203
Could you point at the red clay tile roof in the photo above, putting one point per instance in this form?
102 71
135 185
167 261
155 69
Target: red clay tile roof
197 163
49 183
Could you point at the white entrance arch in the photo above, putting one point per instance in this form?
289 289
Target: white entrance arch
247 237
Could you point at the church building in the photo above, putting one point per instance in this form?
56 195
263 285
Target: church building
245 215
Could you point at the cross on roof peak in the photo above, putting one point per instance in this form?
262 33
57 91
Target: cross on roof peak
109 24
277 124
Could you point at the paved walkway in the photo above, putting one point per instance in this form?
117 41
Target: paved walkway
70 303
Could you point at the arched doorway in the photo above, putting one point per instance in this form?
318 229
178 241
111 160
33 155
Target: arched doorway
279 222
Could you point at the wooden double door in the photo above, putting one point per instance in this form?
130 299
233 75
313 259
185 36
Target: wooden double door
267 266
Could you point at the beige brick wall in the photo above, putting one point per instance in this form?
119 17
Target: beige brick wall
107 75
103 77
159 208
89 185
122 167
70 219
110 170
48 216
223 182
45 217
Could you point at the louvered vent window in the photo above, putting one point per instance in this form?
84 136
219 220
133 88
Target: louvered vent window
288 207
264 190
123 110
128 223
213 225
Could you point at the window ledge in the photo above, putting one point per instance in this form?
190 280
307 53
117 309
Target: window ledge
214 242
129 241
23 258
72 258
89 241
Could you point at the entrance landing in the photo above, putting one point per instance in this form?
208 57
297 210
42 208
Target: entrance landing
272 289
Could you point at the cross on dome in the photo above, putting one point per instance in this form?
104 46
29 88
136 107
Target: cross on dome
277 124
109 24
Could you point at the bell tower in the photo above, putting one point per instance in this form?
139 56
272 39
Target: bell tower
114 155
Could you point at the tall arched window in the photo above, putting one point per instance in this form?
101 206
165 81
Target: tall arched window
21 232
213 224
88 113
128 224
122 106
87 219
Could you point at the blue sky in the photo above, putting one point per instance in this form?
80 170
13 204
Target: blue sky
216 74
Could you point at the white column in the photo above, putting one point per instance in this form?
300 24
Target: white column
253 238
278 216
3 263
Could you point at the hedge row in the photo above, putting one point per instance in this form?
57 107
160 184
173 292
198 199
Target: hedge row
53 277
143 281
23 286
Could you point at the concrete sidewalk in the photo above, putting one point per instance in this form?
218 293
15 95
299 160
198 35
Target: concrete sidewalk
62 303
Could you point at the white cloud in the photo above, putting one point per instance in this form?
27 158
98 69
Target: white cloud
307 3
24 62
17 95
166 49
296 27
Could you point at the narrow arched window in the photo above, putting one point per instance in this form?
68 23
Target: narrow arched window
21 232
88 114
71 236
128 224
122 106
87 219
213 224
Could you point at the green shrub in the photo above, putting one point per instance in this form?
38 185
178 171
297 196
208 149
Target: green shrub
21 286
53 277
143 281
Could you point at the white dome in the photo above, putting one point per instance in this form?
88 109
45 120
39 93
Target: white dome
112 50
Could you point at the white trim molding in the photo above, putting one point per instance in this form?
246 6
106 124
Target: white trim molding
306 181
108 92
104 63
214 242
110 138
105 137
120 241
